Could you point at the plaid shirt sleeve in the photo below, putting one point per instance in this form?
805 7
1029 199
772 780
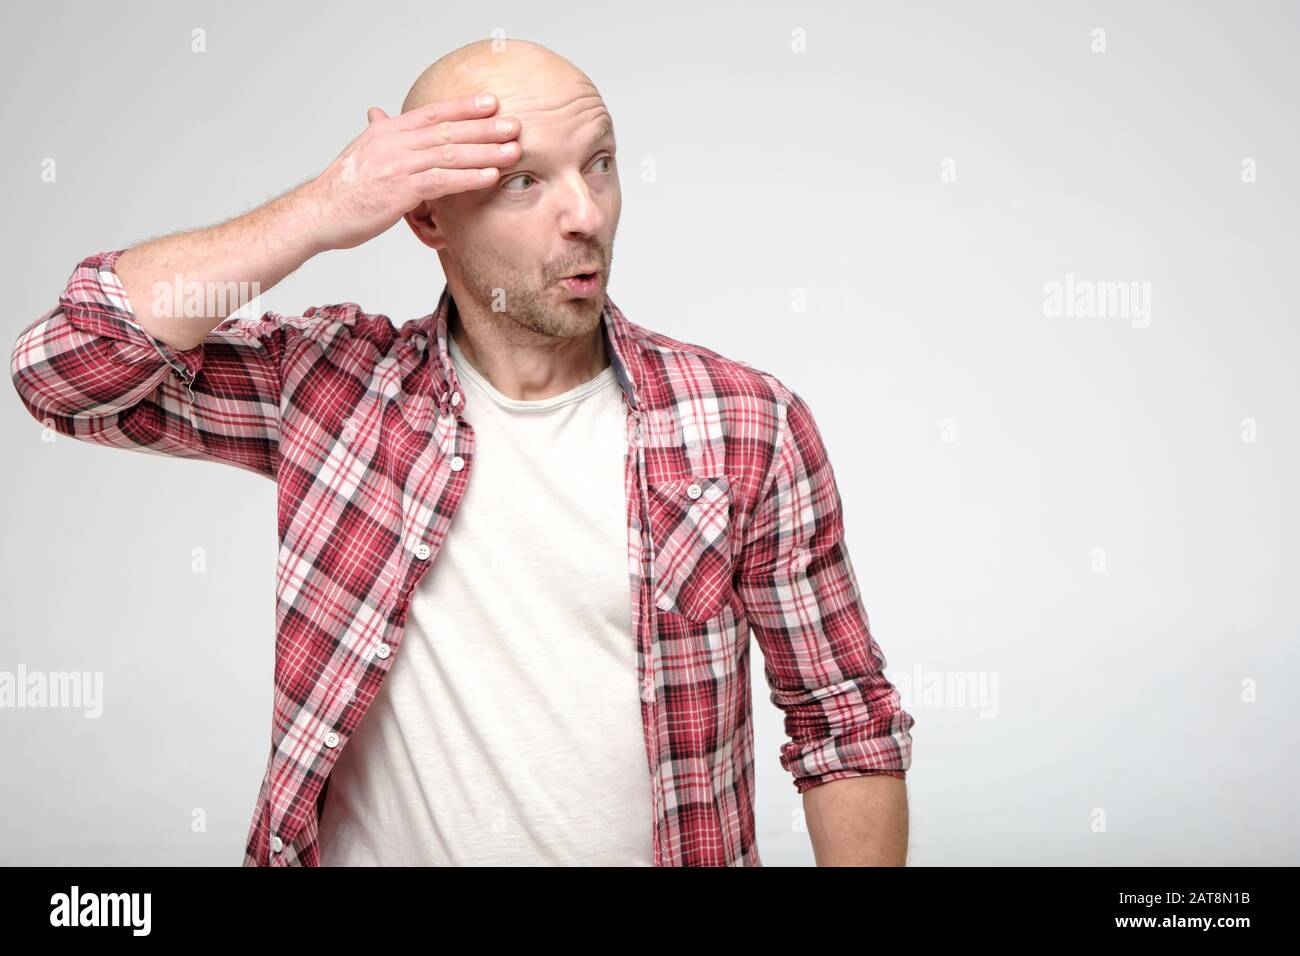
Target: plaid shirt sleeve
87 369
798 586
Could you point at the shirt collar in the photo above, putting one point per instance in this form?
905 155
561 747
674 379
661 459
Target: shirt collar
620 346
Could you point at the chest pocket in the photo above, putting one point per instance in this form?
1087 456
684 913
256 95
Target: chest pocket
690 527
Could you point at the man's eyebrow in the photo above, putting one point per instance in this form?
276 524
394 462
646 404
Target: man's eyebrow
606 129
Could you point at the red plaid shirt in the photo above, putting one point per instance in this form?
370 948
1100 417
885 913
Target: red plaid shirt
733 522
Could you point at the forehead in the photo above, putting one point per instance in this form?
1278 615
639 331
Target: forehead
571 113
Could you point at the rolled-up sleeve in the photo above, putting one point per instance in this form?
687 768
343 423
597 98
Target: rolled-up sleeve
87 369
801 596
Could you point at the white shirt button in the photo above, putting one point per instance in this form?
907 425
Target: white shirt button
422 551
331 739
455 399
648 689
382 651
277 844
665 602
457 463
694 490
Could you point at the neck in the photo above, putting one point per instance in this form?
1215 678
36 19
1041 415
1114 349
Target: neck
522 363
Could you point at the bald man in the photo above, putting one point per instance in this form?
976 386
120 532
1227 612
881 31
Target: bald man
559 675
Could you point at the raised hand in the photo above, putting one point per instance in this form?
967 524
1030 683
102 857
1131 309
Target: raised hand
397 162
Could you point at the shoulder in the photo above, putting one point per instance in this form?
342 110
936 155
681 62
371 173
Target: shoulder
327 322
706 399
676 371
339 329
340 342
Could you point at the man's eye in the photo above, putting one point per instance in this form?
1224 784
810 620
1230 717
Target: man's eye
514 179
606 159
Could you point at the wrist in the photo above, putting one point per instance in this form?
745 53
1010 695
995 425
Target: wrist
300 221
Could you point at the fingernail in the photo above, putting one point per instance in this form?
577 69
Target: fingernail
483 100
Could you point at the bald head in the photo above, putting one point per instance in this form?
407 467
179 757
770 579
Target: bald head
485 65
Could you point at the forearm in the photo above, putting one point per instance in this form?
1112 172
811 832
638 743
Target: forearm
858 821
183 285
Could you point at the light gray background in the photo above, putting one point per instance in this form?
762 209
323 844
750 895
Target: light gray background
983 449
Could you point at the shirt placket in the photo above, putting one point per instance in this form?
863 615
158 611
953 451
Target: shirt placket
645 628
454 455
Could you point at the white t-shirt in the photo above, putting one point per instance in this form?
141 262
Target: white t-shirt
508 730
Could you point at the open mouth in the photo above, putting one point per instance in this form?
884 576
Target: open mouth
582 284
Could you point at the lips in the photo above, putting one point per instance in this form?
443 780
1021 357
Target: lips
582 286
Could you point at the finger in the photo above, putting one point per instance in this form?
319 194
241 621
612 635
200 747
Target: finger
439 181
493 129
374 114
459 108
465 156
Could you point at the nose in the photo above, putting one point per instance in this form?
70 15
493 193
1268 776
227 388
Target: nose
580 213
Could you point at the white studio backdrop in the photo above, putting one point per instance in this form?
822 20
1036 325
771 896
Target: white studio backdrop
1032 266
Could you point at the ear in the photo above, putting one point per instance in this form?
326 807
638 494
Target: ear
425 227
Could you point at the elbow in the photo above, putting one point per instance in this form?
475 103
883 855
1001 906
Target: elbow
30 370
23 372
62 376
